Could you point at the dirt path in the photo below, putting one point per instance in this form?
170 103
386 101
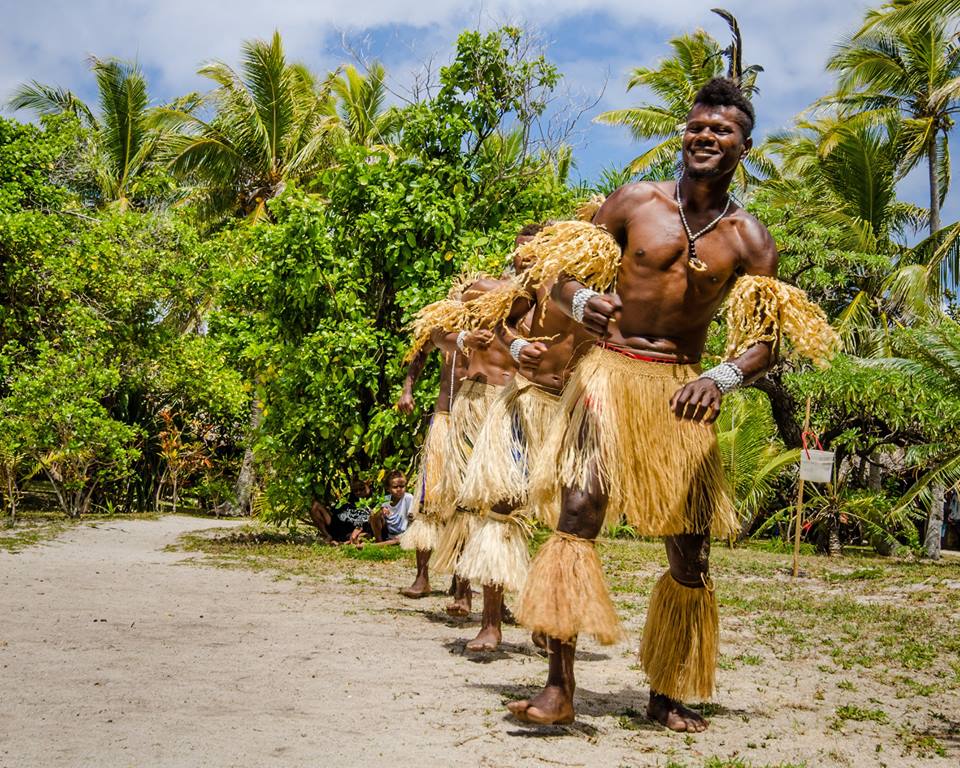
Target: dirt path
115 652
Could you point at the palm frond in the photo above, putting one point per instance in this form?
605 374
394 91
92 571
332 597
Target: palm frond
50 100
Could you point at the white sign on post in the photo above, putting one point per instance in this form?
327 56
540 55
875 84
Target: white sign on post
816 466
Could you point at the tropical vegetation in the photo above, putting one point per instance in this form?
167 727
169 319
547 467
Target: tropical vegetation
206 301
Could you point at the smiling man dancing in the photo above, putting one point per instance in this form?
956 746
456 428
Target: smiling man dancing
637 439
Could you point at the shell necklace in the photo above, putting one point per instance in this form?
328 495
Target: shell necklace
692 259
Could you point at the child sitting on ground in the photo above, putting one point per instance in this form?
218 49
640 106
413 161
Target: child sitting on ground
392 518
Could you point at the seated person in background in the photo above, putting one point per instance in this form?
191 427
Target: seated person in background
347 519
394 514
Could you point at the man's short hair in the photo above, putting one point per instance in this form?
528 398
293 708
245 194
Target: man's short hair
723 92
530 229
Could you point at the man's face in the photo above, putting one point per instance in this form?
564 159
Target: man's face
359 489
713 142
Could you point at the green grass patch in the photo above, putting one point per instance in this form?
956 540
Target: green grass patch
859 715
375 554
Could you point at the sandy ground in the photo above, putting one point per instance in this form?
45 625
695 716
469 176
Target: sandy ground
115 651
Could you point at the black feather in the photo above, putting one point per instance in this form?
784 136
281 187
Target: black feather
734 51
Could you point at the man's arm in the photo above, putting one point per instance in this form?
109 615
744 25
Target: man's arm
700 400
406 403
613 216
527 353
470 340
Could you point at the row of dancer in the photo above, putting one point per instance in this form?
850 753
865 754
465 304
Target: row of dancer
582 402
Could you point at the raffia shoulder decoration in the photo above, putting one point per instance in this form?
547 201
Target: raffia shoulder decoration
761 308
579 249
494 306
461 282
588 209
585 252
446 315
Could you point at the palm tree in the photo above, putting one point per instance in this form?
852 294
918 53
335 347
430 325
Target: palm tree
362 118
696 59
932 355
123 144
843 173
271 124
913 72
907 13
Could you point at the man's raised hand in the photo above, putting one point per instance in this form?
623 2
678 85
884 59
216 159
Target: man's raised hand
599 311
697 401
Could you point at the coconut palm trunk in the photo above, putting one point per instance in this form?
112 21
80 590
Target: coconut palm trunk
931 542
247 479
934 184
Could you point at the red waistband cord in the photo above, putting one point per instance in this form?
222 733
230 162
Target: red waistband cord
627 352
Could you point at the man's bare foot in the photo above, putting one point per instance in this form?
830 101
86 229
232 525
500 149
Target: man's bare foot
552 706
487 640
419 588
459 607
674 715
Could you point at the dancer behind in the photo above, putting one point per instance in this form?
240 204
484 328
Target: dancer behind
428 516
636 439
511 442
490 368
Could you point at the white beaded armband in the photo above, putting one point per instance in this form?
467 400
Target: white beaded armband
727 376
461 337
579 303
516 346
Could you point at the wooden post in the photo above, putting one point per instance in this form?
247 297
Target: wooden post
799 521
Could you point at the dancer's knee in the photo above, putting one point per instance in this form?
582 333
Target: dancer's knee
581 513
689 558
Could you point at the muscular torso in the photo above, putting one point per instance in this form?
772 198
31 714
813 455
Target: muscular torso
667 305
566 342
492 365
450 378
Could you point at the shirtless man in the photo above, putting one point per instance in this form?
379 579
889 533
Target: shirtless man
509 446
427 517
683 246
491 367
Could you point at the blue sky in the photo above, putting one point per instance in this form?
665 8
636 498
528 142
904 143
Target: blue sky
595 45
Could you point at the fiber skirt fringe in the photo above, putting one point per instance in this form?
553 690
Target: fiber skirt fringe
496 554
680 640
509 444
566 595
422 535
469 410
665 476
453 536
431 465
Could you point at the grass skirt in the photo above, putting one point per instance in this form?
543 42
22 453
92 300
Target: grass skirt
467 415
665 476
680 640
496 553
509 444
453 536
565 594
424 530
